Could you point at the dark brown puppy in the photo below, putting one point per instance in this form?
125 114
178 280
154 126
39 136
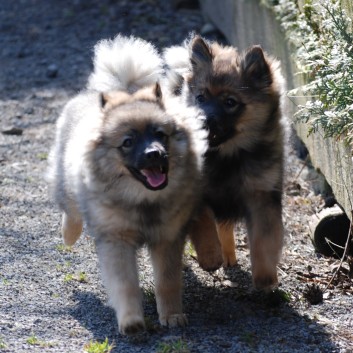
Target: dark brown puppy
240 95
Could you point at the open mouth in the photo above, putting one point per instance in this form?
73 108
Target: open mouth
154 178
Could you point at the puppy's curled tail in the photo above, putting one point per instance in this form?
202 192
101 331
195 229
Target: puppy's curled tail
124 63
177 62
177 58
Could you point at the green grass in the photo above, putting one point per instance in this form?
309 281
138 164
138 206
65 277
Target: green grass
189 250
82 277
5 282
3 345
148 292
98 347
35 341
79 277
285 296
63 248
177 346
42 156
69 277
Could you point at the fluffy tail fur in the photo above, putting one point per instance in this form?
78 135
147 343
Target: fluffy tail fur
124 63
177 62
177 58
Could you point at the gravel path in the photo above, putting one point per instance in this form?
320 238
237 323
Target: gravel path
51 297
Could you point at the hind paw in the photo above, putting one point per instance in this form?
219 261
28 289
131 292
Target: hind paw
131 325
210 261
174 320
265 281
229 259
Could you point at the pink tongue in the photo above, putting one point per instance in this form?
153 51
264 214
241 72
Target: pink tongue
154 177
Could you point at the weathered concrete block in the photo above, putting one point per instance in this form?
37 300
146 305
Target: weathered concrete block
329 231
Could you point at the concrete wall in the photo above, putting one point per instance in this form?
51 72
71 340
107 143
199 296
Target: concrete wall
247 22
348 5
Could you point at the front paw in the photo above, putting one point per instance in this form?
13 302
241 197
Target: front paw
229 259
265 281
131 324
210 260
173 320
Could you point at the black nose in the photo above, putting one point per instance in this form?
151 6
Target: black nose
154 153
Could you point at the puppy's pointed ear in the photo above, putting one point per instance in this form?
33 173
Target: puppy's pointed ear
158 92
103 99
255 69
200 53
108 100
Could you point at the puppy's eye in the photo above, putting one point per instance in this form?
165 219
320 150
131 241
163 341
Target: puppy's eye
128 142
160 135
200 98
230 102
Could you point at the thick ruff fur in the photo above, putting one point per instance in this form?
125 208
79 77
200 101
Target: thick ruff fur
129 166
240 93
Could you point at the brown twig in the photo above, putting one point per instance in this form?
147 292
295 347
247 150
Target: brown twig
305 163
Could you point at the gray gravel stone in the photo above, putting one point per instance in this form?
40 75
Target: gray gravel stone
52 71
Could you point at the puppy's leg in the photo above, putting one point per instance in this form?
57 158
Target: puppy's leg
226 237
167 266
203 235
265 231
71 229
119 271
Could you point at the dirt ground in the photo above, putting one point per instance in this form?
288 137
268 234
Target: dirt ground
51 297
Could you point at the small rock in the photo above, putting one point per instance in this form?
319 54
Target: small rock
228 283
44 94
327 295
293 192
12 131
52 71
23 52
29 111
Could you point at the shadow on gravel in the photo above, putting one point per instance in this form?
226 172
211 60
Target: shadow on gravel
223 319
97 317
94 315
236 314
